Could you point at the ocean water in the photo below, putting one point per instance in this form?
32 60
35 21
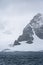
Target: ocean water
21 58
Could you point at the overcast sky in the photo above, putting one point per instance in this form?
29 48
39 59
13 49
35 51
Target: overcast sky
14 16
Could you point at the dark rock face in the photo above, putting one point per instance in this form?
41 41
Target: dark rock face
16 42
26 36
39 32
35 25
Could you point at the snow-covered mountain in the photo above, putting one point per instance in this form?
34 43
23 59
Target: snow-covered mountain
34 27
32 35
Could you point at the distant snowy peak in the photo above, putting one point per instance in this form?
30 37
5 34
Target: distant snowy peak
34 27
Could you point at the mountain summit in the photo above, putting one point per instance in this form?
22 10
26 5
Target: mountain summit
34 27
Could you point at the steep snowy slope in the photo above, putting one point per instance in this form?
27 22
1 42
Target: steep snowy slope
37 45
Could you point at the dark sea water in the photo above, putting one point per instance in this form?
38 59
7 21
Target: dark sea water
21 58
